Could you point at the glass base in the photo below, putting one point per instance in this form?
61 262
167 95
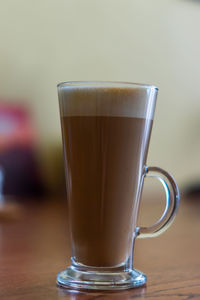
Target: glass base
75 278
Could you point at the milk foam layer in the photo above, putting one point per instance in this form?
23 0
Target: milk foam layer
135 102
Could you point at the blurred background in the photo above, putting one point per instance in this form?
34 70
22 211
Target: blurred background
48 41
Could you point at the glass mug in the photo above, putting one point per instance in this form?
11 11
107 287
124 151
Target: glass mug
106 129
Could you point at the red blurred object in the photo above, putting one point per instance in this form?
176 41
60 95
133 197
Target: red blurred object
17 152
15 127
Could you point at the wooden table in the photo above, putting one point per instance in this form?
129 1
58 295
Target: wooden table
34 246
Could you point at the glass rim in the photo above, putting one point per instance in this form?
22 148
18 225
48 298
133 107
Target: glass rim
93 83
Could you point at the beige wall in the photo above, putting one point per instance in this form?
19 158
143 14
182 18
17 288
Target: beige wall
43 42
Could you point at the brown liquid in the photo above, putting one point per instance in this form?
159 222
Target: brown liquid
105 159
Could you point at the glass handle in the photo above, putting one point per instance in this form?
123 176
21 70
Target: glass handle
172 203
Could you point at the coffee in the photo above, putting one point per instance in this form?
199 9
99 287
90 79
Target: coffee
106 129
105 158
106 135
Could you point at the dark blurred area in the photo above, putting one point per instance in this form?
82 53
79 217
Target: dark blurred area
18 157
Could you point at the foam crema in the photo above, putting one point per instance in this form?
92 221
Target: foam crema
86 100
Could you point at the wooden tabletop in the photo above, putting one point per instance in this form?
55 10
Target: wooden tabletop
34 246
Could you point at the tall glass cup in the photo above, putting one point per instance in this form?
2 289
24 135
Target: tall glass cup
106 128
